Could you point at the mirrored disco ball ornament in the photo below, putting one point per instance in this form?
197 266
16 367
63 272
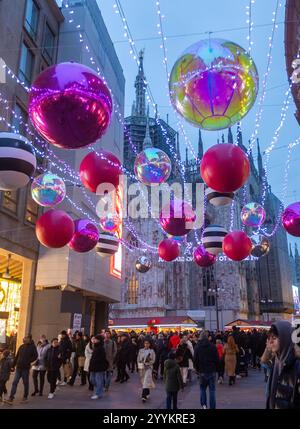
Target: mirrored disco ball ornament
48 189
260 245
180 239
253 214
143 264
213 84
152 166
110 223
70 105
85 236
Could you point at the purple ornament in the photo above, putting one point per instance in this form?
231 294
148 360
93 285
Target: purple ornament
177 218
291 219
70 105
85 237
203 258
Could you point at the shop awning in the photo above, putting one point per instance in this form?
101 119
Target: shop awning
248 324
171 322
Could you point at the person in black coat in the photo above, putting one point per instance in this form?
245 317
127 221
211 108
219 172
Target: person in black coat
206 361
26 354
122 359
98 366
65 349
5 369
53 362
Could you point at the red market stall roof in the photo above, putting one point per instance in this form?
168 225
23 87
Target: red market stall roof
248 324
161 322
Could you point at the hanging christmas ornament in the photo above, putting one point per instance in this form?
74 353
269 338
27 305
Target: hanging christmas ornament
152 166
177 218
180 239
237 245
110 223
54 228
213 84
203 258
291 219
48 189
253 214
213 236
70 105
168 249
17 161
143 264
107 245
260 245
85 236
97 169
225 167
218 199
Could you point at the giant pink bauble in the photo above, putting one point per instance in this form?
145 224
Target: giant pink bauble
85 237
168 249
291 219
225 167
70 105
177 218
203 258
237 245
99 168
54 228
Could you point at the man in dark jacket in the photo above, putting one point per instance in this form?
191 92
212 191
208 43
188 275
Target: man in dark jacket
206 362
98 366
26 354
283 389
122 358
53 363
65 349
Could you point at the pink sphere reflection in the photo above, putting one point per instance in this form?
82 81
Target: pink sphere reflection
177 218
85 237
70 105
291 219
203 258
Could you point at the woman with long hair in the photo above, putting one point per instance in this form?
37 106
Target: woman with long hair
145 361
230 357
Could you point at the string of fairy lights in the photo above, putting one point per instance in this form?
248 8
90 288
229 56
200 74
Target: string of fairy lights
73 176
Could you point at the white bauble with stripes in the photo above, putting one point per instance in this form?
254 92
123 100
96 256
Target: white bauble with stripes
17 161
218 198
107 245
213 237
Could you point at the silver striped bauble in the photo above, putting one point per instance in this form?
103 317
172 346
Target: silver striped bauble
17 161
218 198
213 237
107 245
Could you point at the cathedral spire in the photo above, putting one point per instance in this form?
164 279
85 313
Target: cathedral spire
186 156
230 136
200 146
177 146
140 88
133 109
291 253
223 138
296 251
259 161
147 140
239 135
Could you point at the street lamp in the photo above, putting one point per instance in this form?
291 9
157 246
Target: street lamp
266 301
216 291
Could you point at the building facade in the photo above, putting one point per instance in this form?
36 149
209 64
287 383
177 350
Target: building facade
226 291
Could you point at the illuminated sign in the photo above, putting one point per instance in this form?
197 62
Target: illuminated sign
116 259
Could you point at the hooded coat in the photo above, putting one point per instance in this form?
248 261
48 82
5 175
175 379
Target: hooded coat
172 376
283 390
206 357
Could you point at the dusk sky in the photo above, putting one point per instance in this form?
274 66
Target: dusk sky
185 23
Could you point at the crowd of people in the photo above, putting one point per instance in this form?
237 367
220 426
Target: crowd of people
172 357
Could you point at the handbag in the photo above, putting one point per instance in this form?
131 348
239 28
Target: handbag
141 365
81 361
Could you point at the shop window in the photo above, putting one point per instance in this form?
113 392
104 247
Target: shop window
31 214
49 44
26 64
133 288
10 300
10 201
19 120
31 18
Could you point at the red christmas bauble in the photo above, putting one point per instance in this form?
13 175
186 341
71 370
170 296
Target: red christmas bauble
54 228
237 245
168 249
203 258
96 169
225 167
177 218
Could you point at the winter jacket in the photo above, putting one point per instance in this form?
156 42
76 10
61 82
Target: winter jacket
110 348
230 358
172 376
174 341
26 354
53 359
5 367
220 350
184 351
206 357
40 364
146 357
79 347
98 362
123 355
65 347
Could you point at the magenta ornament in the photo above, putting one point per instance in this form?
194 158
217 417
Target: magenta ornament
177 218
203 258
291 219
85 236
70 105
